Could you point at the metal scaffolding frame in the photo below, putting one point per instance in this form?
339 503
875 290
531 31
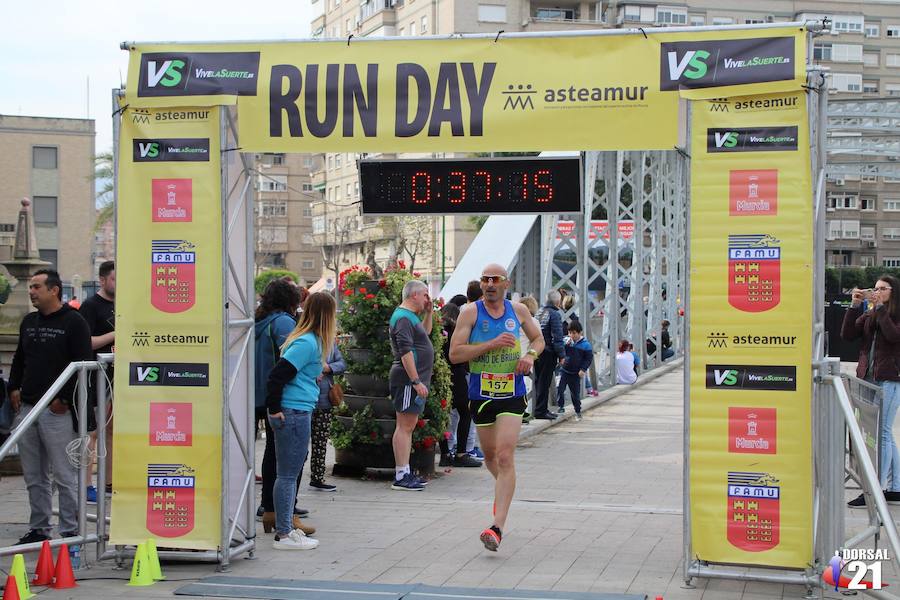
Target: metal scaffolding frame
616 272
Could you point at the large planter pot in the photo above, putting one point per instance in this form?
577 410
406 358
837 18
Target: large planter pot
347 422
359 356
365 384
371 286
386 427
381 405
364 456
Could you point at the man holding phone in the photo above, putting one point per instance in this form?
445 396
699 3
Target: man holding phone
410 376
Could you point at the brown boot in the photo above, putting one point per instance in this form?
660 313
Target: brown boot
268 521
307 529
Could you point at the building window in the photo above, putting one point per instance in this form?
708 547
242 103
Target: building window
869 179
412 28
51 256
890 205
671 16
424 24
889 261
44 210
43 157
273 183
892 89
867 233
722 21
273 235
330 162
892 60
867 203
870 59
278 259
842 201
847 24
893 31
870 87
554 14
318 225
753 21
356 189
834 230
308 264
307 161
278 159
890 233
306 187
273 208
348 190
337 161
822 52
846 82
697 21
871 31
867 260
846 53
491 13
850 230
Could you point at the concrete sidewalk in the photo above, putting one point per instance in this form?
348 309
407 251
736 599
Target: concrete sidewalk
597 509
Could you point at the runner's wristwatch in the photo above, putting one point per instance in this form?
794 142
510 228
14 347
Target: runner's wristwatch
416 382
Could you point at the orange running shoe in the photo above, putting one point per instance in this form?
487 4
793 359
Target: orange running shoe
490 537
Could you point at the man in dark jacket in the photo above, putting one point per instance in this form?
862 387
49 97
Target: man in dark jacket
550 320
49 340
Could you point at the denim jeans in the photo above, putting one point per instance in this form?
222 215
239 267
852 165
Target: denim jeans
573 382
889 470
291 446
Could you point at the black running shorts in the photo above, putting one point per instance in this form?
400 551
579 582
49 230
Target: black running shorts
485 412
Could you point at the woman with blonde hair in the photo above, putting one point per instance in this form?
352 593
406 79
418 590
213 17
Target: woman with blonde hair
292 392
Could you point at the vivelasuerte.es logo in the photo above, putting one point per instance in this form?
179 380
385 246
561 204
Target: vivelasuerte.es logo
198 74
751 139
703 64
170 150
751 377
723 340
146 339
169 374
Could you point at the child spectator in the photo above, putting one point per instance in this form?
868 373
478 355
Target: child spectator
579 356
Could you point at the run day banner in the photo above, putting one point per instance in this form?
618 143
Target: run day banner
167 441
751 324
609 92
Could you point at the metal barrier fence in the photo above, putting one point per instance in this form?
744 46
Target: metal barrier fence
81 370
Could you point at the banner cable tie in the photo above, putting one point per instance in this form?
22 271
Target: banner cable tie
349 37
641 29
498 35
120 110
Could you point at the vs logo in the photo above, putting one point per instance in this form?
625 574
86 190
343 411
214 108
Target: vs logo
726 139
727 377
147 374
148 149
692 65
168 73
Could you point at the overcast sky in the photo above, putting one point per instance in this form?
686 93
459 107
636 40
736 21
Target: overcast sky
50 48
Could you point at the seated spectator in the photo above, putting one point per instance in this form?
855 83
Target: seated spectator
625 372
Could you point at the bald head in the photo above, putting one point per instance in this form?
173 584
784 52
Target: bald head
494 283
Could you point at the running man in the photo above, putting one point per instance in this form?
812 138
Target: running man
487 337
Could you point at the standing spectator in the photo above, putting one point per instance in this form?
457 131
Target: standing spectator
625 366
568 303
579 356
554 351
321 421
879 328
410 375
666 340
292 393
49 340
460 391
274 322
100 313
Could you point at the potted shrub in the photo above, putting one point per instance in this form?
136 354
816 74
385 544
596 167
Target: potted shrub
5 289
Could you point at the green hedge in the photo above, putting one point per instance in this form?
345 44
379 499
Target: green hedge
263 279
840 280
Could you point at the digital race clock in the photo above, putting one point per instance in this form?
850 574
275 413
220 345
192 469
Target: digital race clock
471 185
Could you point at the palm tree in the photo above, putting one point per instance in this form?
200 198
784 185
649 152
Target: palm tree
103 173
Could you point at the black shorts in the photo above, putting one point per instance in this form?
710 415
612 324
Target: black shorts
485 412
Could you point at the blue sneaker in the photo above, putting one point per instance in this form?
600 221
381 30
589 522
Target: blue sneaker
92 494
409 483
476 453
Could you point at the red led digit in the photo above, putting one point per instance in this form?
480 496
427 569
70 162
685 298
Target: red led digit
546 187
421 179
485 184
457 187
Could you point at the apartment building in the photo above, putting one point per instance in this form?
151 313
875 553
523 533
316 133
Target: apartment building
51 161
862 53
283 215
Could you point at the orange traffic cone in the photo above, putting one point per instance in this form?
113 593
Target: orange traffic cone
43 573
65 578
11 591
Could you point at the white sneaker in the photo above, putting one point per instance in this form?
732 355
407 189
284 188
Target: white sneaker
295 540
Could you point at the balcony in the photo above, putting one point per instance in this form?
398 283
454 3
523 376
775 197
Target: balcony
378 13
560 16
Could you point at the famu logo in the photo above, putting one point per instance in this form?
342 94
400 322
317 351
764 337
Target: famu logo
170 150
751 377
751 139
198 74
714 63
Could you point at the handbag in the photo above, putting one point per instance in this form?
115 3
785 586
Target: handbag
336 394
